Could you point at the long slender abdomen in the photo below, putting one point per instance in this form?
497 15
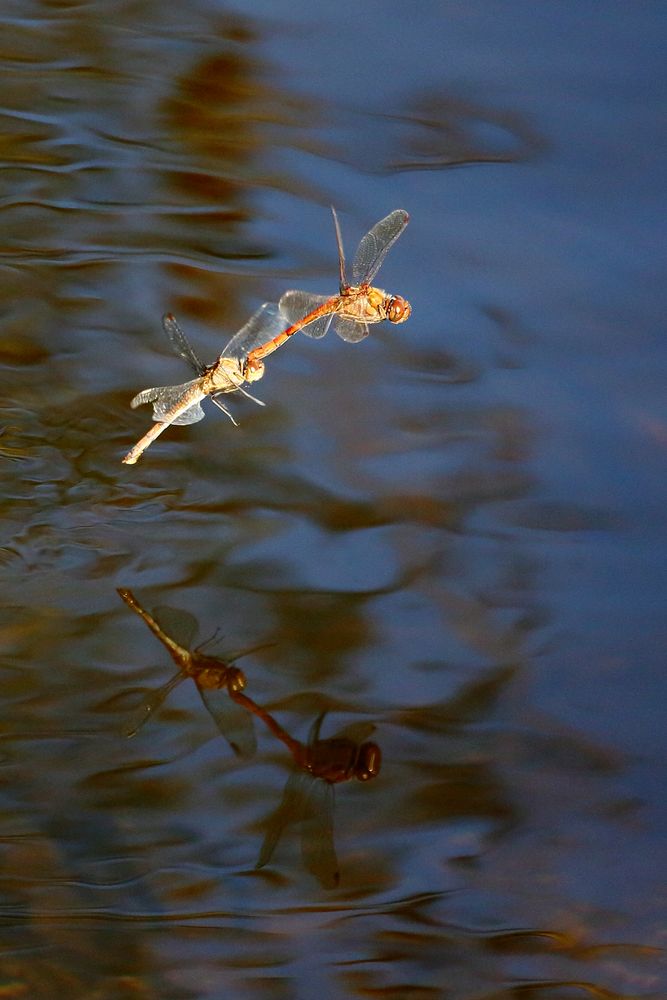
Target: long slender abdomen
330 306
194 395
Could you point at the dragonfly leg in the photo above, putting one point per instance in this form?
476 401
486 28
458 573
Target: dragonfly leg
221 406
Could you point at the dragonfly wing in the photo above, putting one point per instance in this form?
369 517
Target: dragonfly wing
234 722
341 252
190 416
314 731
150 705
295 305
263 325
350 330
165 397
148 395
181 344
179 625
289 811
317 839
376 244
357 732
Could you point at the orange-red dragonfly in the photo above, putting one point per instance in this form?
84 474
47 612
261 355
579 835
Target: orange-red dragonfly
356 305
180 404
308 796
216 679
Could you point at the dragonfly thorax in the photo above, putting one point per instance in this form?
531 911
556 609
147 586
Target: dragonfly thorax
211 673
367 304
362 303
332 760
224 376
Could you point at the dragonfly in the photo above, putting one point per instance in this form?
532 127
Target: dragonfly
308 796
356 304
216 680
180 404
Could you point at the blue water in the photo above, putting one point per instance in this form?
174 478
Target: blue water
454 530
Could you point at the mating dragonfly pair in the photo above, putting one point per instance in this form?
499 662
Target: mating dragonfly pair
350 311
318 765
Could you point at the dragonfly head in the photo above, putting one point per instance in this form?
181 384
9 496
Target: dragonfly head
253 370
369 760
235 679
398 309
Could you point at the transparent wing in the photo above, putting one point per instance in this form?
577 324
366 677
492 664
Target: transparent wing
179 625
150 705
341 252
296 306
234 722
181 344
350 330
165 397
376 244
289 811
262 326
317 840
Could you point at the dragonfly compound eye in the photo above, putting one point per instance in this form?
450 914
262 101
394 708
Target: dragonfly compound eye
369 762
253 370
398 309
235 679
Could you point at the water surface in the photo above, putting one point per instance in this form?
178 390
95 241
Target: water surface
454 530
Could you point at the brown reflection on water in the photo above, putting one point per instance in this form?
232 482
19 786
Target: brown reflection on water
308 796
432 130
136 152
319 763
220 116
443 131
393 521
215 679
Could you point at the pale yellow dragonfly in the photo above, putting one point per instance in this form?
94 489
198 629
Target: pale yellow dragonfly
180 404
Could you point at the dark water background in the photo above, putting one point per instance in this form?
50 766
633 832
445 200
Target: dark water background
455 530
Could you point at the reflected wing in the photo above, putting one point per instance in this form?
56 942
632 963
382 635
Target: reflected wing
317 841
164 397
357 732
234 722
262 326
150 705
179 625
350 329
296 306
376 244
289 811
316 725
181 344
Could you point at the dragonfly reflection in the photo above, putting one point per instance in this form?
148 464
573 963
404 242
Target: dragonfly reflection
216 680
180 404
308 796
356 305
